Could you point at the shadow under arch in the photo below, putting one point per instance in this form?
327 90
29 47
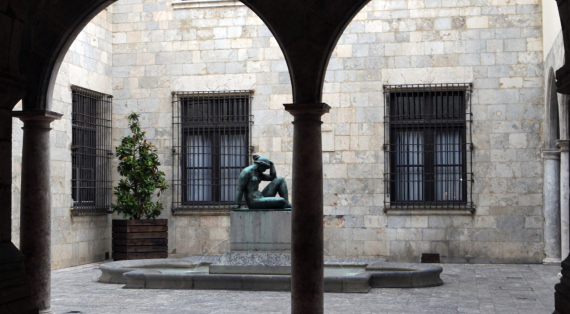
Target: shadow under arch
45 42
552 112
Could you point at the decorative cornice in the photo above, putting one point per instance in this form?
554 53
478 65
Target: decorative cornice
202 4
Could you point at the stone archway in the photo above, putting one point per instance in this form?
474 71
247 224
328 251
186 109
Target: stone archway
40 34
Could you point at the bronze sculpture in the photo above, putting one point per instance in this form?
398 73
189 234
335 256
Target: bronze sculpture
248 185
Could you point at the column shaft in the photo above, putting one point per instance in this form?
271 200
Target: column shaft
551 206
6 175
564 196
307 285
35 204
14 287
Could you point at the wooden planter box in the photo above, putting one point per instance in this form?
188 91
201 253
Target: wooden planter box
140 239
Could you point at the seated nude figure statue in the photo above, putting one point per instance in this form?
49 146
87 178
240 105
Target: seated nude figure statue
249 181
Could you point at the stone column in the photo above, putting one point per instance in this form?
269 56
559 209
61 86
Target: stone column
6 175
35 205
564 196
307 285
551 205
14 287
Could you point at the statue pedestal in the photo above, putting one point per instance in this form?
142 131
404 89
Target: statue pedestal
264 230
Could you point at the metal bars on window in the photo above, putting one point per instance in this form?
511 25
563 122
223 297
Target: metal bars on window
211 145
428 146
91 153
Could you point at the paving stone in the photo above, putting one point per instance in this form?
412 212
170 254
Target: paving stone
467 289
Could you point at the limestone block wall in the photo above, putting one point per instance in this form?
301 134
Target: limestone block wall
160 47
495 46
75 240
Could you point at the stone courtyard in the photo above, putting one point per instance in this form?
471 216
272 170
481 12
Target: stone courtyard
506 289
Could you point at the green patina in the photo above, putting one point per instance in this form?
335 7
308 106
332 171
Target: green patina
248 186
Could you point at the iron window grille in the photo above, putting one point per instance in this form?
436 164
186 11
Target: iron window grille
211 145
91 153
428 147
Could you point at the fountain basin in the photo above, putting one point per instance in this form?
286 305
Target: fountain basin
355 275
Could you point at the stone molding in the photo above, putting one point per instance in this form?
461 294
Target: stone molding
551 154
202 4
37 115
429 212
307 110
202 212
563 144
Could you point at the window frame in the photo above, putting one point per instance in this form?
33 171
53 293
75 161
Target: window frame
216 124
91 126
427 125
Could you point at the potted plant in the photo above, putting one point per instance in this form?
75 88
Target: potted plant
135 237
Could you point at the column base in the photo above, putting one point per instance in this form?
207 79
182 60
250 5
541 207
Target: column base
551 261
15 291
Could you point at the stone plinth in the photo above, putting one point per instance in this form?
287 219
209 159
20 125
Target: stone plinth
267 230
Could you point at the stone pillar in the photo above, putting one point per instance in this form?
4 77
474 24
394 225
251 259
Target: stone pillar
551 205
562 290
35 205
6 175
14 287
307 285
564 196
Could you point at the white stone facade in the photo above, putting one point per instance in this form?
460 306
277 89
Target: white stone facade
75 240
159 47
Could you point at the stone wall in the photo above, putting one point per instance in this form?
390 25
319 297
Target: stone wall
142 52
160 47
75 240
498 49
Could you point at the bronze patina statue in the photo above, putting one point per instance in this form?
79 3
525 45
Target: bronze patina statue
249 181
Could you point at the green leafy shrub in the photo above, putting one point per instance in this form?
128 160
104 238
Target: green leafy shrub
138 164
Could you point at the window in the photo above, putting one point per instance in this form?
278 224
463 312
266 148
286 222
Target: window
91 152
428 144
211 147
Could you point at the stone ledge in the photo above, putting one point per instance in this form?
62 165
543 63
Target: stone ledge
429 212
202 4
201 212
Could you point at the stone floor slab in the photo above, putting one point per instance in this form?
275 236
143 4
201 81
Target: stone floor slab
467 289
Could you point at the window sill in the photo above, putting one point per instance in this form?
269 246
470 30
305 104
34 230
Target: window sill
430 211
89 212
201 211
202 4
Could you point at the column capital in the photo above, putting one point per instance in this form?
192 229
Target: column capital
307 110
563 144
551 154
37 115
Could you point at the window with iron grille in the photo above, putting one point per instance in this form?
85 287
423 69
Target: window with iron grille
428 146
211 146
91 152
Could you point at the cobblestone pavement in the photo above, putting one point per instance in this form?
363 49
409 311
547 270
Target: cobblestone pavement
505 289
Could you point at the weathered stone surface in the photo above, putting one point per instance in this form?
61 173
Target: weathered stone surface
260 231
141 57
